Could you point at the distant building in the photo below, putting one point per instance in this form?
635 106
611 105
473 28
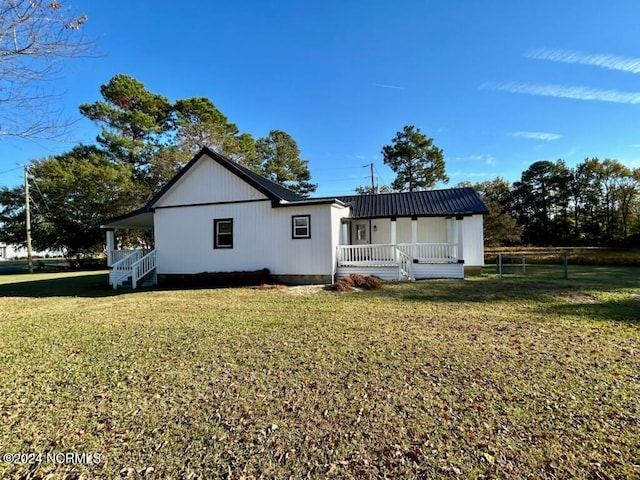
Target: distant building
12 252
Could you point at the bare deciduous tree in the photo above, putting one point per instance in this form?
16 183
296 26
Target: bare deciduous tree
35 36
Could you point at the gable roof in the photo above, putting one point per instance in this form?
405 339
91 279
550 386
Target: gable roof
428 203
143 217
273 191
425 203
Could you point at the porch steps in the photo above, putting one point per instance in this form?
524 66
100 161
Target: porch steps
149 280
139 265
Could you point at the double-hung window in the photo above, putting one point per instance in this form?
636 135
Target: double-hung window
300 226
223 233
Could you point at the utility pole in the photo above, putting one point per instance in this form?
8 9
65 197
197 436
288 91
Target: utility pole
373 186
28 219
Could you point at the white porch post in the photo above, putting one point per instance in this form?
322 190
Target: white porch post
459 236
414 236
344 234
110 246
393 231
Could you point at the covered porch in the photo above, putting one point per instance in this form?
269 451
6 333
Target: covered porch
401 248
130 267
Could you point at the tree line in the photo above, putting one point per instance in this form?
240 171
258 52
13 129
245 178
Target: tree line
595 203
144 141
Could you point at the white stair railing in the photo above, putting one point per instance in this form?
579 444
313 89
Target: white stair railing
117 255
405 266
121 270
142 267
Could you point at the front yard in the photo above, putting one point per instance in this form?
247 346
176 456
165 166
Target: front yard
443 379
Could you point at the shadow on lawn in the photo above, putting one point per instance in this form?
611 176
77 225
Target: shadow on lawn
612 310
573 297
90 285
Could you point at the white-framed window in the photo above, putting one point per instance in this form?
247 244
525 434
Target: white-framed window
223 233
361 232
300 226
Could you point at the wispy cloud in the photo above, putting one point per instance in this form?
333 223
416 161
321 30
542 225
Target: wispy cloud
565 91
487 159
490 160
393 87
603 60
537 135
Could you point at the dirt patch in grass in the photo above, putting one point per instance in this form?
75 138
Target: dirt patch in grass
574 296
306 289
269 286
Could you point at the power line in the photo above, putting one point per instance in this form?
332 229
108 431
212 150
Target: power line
35 184
11 170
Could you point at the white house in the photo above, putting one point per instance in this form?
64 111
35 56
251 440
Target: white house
218 216
14 252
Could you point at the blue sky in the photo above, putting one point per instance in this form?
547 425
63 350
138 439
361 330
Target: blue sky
498 84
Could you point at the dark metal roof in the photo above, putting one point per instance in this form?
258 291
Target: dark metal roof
275 192
272 190
427 203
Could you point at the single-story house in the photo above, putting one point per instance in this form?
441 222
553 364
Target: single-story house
216 215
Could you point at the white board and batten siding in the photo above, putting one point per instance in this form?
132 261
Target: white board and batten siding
383 273
429 230
262 235
208 182
423 271
261 239
473 248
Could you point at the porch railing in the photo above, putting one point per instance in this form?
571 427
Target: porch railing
117 255
142 267
431 252
378 254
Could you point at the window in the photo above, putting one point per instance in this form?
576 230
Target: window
223 233
301 226
361 232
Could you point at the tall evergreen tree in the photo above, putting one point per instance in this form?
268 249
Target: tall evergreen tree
535 198
134 122
585 197
417 162
279 159
198 123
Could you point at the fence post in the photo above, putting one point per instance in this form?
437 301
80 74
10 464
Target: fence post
499 265
565 261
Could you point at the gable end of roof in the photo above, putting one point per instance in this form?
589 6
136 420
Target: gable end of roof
273 191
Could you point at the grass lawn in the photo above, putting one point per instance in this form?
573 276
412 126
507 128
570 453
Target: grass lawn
482 378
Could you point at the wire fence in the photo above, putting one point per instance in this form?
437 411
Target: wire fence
549 264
